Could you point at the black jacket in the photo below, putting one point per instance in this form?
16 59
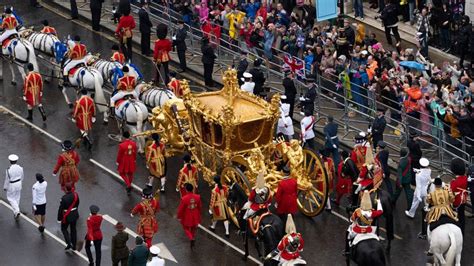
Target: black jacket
144 21
383 159
389 15
378 126
290 89
96 4
180 41
415 152
349 169
208 55
241 68
65 203
259 78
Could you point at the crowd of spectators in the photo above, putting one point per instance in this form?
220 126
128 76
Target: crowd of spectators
437 99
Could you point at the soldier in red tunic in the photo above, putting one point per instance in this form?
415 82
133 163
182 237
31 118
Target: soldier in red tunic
125 89
124 33
76 55
156 161
286 195
189 213
459 188
117 56
175 86
218 205
360 148
126 160
289 247
328 163
9 24
48 29
33 92
259 199
187 175
84 116
161 55
94 235
147 209
67 162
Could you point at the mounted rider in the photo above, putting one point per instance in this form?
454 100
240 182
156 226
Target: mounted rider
48 29
438 204
289 247
259 200
8 26
125 89
117 56
175 85
362 218
76 56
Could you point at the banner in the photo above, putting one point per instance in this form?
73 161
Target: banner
326 9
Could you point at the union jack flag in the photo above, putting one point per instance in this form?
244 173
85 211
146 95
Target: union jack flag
295 65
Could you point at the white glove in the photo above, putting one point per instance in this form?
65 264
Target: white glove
426 208
276 205
177 189
58 222
131 215
73 120
24 98
54 174
34 207
92 243
93 119
210 212
334 146
369 130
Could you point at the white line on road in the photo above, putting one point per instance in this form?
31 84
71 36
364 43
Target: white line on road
114 174
28 219
164 253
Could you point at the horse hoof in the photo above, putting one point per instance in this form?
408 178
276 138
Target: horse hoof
70 105
14 83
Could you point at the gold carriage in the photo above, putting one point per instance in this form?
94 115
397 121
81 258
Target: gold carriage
231 133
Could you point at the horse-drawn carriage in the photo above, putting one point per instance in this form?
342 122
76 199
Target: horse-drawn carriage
231 133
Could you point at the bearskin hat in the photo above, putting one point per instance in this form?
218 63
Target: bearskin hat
458 167
161 31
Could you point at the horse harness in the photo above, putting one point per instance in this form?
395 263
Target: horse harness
254 222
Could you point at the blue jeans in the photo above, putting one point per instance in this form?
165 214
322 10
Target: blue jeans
358 8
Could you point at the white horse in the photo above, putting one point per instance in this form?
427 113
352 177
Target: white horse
153 96
446 244
111 71
44 43
18 51
132 114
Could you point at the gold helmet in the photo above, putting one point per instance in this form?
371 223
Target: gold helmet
366 203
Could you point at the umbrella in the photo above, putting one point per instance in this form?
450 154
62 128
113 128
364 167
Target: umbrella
413 64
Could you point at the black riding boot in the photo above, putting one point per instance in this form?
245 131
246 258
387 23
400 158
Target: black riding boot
347 247
43 113
354 199
30 115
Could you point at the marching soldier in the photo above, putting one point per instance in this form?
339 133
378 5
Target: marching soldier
307 132
76 55
84 116
67 162
48 29
161 55
13 184
290 246
189 212
218 205
187 175
174 85
147 209
360 149
9 24
68 216
439 204
33 92
156 162
362 219
117 56
459 188
126 160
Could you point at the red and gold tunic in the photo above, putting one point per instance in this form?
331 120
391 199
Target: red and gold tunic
126 83
155 159
187 175
147 209
78 51
84 111
67 162
161 51
49 30
33 88
218 203
358 156
175 86
118 57
9 23
459 188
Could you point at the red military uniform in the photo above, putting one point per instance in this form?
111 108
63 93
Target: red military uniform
49 30
329 165
286 196
126 83
344 184
148 225
9 23
118 57
84 111
125 27
362 224
187 174
33 89
155 159
258 206
189 214
459 188
161 51
358 156
93 227
78 51
218 203
285 252
175 87
126 157
67 162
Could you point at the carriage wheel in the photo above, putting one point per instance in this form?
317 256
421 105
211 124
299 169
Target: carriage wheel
234 174
312 201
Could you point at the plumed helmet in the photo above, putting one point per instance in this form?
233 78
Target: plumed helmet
366 203
458 167
290 225
161 31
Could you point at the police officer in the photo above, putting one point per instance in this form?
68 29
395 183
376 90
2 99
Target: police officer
331 139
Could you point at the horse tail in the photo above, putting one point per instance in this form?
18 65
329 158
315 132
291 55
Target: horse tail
451 254
140 119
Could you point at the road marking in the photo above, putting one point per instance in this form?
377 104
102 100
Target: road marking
28 219
30 123
114 174
165 252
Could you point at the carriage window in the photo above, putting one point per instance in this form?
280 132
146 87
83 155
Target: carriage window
206 132
218 136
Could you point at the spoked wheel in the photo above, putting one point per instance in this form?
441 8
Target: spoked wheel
312 199
232 174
